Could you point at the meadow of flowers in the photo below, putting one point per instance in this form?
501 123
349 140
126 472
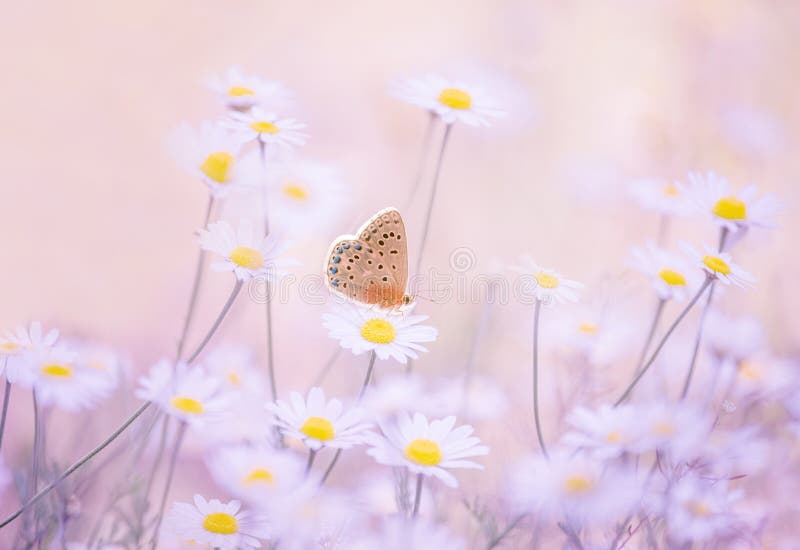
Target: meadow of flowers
399 387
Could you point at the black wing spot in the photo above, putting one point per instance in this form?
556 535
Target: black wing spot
381 242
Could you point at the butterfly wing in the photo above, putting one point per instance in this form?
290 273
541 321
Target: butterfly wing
371 267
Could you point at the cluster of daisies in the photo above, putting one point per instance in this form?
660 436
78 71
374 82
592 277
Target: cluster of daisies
662 453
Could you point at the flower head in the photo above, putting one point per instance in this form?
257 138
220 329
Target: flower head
452 101
215 524
545 285
669 274
188 394
720 266
15 345
389 333
278 135
319 423
660 196
427 448
606 432
244 253
675 429
699 510
240 92
712 196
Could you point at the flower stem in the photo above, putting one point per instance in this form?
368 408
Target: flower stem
663 341
417 496
510 527
423 156
80 462
198 277
312 453
650 334
325 370
4 414
426 226
335 459
235 292
536 310
170 473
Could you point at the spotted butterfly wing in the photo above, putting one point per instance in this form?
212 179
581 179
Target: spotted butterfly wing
372 266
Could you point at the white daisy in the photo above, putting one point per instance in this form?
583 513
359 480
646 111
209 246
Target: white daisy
427 448
389 333
544 285
598 333
256 473
719 265
245 253
451 100
188 394
278 135
585 490
669 274
762 376
663 197
712 196
235 365
699 510
240 92
734 338
676 429
399 533
393 394
101 359
319 423
215 524
607 432
211 154
60 379
304 195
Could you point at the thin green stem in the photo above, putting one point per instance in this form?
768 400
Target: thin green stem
423 156
170 474
235 292
431 200
198 278
663 341
80 462
536 310
417 496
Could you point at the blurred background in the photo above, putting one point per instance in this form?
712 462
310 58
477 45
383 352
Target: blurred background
98 220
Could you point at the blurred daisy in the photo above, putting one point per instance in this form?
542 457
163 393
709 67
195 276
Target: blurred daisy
279 135
31 337
545 285
599 335
245 252
389 333
734 338
720 266
215 524
235 365
585 490
102 360
659 196
477 398
60 380
399 533
304 195
452 101
426 448
712 196
677 429
669 274
607 432
700 510
240 92
211 154
394 394
762 376
188 394
319 423
255 473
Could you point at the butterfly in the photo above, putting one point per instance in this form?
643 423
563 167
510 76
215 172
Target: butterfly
371 267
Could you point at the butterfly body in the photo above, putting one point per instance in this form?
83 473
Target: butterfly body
371 267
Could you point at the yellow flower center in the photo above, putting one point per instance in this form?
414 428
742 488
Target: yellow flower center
588 328
699 508
60 371
671 190
264 127
730 208
317 427
187 404
455 98
218 166
234 378
663 428
424 452
672 278
614 437
9 347
378 331
220 523
751 371
295 191
239 91
578 484
259 475
244 256
545 280
717 265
